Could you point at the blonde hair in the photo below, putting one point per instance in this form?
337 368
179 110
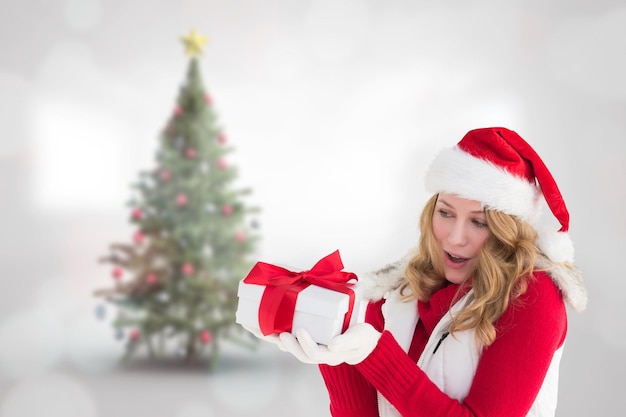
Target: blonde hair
505 264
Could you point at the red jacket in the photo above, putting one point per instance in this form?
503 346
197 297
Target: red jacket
509 375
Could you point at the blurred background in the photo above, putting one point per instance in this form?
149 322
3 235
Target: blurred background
335 109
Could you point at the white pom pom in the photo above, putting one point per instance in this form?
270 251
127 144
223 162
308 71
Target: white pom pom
557 246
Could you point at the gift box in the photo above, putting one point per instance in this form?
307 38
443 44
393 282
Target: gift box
325 301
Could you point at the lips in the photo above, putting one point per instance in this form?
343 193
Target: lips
456 259
457 268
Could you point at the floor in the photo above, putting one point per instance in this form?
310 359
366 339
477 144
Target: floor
266 382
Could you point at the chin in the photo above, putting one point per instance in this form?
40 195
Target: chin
455 277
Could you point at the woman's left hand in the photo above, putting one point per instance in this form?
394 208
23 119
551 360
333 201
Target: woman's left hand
351 347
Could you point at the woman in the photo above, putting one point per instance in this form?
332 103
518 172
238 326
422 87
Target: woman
473 322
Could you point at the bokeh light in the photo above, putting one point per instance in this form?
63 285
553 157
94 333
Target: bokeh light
49 395
588 53
82 14
31 343
261 382
334 31
15 105
195 408
91 342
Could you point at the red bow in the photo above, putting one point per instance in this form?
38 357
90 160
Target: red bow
278 303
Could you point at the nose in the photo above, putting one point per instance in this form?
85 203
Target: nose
458 234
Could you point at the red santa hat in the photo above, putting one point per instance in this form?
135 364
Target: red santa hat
498 168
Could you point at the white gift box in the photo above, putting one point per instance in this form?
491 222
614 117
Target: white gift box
320 311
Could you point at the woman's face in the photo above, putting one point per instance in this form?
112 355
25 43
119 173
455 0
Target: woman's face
460 228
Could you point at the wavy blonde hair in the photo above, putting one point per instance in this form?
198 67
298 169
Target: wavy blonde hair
505 264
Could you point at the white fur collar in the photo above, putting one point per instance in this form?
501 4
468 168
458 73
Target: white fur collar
388 278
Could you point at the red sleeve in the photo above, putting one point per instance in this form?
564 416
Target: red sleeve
351 395
509 374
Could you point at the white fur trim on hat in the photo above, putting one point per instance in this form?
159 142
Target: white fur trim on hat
556 245
457 172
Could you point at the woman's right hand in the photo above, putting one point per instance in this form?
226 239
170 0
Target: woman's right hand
272 338
285 342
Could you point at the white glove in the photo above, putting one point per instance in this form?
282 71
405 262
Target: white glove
272 338
352 347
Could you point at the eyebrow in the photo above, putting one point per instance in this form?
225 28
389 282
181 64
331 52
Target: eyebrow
482 211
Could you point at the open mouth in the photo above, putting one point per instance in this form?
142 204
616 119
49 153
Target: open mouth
456 259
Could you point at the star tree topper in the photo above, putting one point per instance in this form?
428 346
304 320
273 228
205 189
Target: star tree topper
194 43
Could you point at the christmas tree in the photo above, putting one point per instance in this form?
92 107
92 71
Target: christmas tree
176 283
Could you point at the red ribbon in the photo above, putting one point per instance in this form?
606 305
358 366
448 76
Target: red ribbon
278 302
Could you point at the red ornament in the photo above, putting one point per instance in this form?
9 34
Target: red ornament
191 153
178 110
221 138
240 236
117 272
227 210
222 164
187 269
181 200
208 100
138 237
137 214
151 278
166 175
205 336
134 335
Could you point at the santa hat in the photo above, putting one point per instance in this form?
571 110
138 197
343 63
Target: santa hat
498 168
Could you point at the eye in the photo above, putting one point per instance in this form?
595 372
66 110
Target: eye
479 224
444 213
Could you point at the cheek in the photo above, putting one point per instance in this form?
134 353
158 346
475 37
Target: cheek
480 241
438 230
